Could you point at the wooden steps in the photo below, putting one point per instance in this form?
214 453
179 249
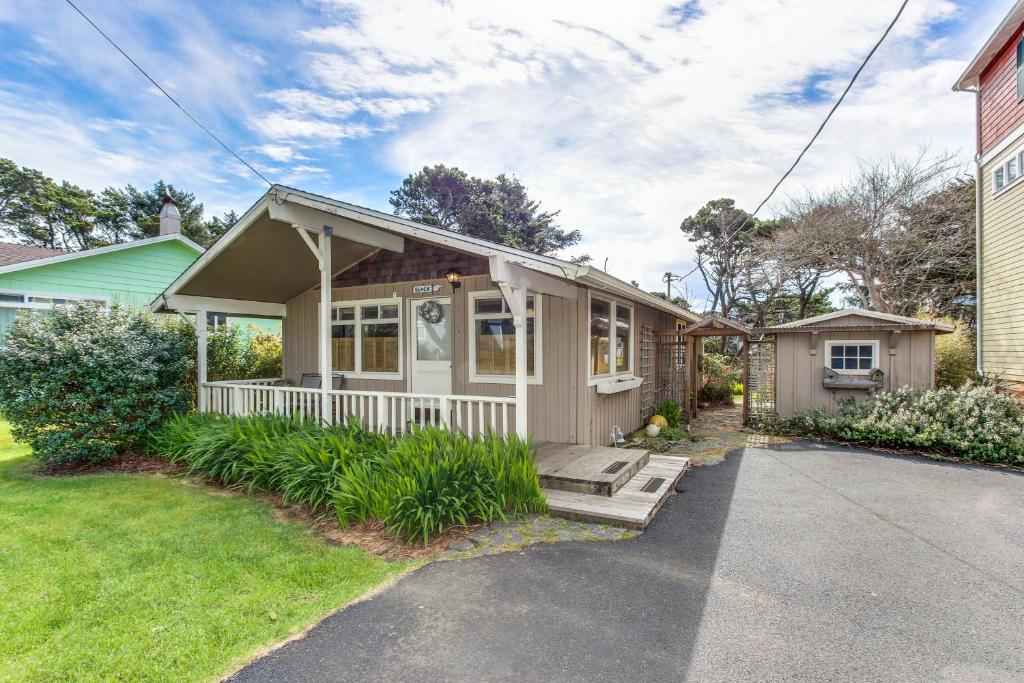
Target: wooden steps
597 470
633 505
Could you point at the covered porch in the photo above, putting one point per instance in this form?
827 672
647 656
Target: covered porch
389 355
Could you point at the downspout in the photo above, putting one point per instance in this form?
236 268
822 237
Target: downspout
977 264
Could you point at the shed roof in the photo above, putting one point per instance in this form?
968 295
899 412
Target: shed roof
22 253
716 326
876 319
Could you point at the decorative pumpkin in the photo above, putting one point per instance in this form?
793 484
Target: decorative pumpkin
658 420
653 430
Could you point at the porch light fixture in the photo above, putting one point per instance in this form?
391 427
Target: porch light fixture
454 278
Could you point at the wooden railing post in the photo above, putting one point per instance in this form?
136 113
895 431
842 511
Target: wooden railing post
237 406
380 421
446 414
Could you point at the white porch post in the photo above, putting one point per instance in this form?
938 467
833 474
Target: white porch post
201 373
326 371
516 298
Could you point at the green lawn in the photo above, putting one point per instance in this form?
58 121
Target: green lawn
145 577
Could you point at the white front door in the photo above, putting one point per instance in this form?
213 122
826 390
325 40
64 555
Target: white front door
431 346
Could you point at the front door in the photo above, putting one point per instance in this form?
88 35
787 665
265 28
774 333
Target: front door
431 346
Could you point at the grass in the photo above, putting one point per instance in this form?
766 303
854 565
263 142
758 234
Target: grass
146 577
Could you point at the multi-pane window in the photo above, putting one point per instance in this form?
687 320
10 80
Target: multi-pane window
365 337
494 337
1009 171
611 347
22 300
852 357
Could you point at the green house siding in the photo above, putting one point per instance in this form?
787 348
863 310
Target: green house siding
132 276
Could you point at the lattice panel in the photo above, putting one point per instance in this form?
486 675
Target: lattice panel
761 380
671 367
647 372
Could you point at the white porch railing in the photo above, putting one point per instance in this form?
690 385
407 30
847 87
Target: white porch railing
391 412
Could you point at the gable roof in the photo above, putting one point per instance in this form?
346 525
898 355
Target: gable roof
20 253
54 256
886 320
279 195
971 76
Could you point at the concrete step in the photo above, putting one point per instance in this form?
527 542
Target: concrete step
593 470
633 505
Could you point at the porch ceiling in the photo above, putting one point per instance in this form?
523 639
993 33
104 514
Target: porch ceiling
269 262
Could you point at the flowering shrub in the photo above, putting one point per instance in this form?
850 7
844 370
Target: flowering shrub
83 383
972 422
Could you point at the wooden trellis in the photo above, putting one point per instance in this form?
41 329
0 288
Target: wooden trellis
671 367
647 372
759 393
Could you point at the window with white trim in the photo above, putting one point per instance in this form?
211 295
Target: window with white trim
1009 171
611 338
15 299
217 321
851 357
366 337
492 343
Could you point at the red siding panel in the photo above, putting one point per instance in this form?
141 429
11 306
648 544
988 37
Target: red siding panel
998 107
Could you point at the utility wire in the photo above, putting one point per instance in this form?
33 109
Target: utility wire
814 138
167 94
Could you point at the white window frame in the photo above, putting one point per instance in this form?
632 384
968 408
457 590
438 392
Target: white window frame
357 321
538 337
875 358
613 306
43 306
1004 167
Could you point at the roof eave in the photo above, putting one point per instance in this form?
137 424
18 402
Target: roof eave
969 80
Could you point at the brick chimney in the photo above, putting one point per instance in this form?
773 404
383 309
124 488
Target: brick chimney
170 219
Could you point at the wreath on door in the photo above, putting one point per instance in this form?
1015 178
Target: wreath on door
431 312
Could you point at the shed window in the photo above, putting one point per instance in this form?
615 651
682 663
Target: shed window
366 337
611 347
856 357
493 345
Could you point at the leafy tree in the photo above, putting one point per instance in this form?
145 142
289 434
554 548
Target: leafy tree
498 210
679 301
129 213
724 236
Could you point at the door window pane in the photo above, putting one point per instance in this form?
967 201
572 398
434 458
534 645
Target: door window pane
433 340
600 352
623 321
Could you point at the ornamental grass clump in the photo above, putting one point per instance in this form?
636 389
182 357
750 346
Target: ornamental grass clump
417 485
971 422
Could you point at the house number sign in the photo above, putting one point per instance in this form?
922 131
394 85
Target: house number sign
426 289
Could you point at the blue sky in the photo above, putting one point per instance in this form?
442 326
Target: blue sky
626 116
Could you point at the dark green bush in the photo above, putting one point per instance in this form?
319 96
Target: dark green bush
83 382
972 422
417 485
671 411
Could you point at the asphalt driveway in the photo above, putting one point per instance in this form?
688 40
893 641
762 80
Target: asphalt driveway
797 561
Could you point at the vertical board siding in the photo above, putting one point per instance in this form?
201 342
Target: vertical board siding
1002 272
551 405
800 375
999 110
624 408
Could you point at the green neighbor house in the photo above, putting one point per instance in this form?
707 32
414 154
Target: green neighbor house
134 273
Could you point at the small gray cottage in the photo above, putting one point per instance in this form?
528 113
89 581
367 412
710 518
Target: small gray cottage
822 359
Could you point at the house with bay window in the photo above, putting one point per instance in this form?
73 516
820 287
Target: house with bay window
413 324
996 78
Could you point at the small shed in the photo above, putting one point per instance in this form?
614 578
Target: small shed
825 358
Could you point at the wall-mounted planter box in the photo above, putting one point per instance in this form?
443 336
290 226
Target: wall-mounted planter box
616 384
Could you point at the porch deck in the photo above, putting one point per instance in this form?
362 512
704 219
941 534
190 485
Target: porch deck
621 486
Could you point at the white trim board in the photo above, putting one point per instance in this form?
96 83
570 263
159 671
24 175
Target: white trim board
61 258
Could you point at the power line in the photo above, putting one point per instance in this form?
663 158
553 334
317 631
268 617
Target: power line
814 137
167 94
